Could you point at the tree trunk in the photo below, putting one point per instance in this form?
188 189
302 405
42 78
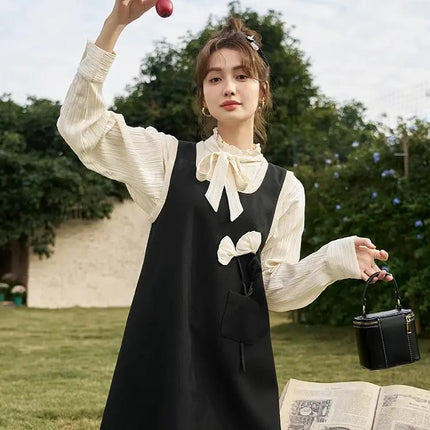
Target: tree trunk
413 303
295 314
5 261
16 259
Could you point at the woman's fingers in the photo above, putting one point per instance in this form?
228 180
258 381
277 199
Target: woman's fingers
364 241
367 254
127 11
380 255
366 275
382 276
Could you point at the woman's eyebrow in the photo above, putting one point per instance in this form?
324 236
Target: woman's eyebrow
219 69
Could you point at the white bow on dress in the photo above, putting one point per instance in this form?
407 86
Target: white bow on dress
249 242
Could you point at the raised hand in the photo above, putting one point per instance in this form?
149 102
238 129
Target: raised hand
126 11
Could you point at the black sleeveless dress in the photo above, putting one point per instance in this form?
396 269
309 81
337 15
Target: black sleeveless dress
196 352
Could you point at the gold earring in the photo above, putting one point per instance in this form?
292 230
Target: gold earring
261 105
204 114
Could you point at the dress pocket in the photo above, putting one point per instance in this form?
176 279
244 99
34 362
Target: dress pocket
244 320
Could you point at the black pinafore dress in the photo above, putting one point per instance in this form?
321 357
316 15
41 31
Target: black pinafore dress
196 352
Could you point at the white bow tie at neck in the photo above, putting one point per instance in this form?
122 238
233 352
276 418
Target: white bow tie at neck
249 242
223 170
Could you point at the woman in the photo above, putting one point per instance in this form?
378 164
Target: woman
223 248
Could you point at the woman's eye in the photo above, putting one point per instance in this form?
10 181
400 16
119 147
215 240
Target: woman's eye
241 77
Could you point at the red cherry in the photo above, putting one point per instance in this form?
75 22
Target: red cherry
164 8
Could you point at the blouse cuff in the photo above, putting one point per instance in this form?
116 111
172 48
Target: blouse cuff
95 63
342 258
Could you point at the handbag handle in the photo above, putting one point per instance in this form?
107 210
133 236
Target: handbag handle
396 289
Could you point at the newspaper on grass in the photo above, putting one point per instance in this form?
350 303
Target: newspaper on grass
353 406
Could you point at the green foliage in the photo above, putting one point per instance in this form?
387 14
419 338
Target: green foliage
370 195
164 94
42 182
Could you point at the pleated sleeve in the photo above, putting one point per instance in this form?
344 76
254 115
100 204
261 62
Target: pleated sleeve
291 283
142 158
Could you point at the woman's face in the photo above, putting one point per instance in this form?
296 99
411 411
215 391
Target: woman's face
227 81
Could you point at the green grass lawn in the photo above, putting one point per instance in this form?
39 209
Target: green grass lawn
56 365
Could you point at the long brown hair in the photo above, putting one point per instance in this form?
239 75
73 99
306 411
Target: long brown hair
233 36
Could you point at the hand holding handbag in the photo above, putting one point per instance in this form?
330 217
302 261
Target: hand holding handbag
386 339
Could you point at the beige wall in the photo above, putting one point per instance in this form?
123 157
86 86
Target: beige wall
95 263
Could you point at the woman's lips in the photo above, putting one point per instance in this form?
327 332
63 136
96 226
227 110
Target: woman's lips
231 106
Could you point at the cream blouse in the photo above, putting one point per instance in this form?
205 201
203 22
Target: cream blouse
143 159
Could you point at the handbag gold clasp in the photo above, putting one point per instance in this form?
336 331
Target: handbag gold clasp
409 319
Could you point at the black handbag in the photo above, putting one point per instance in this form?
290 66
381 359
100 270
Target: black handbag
386 339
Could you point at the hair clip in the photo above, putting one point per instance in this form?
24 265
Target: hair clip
252 41
256 47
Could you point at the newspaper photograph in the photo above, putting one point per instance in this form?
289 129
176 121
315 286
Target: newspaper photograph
328 406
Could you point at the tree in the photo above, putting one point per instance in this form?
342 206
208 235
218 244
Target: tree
331 148
164 95
42 183
370 195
